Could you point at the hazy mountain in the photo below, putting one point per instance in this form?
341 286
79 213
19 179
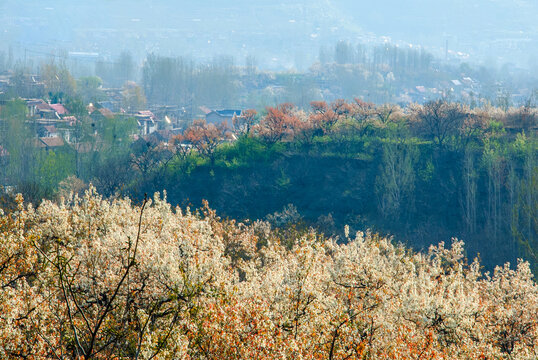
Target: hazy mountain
489 30
279 33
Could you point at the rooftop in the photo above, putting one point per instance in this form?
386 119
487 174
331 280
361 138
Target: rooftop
50 142
228 112
59 108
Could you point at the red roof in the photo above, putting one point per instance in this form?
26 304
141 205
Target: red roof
51 142
43 106
59 108
205 109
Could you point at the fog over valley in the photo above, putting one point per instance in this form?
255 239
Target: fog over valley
282 34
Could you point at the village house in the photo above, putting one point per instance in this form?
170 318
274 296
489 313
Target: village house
174 116
40 109
221 116
36 107
147 122
49 143
60 109
161 136
99 114
47 131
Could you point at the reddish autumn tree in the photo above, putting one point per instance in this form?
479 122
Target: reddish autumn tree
341 107
280 122
319 107
363 110
205 138
360 115
179 147
322 117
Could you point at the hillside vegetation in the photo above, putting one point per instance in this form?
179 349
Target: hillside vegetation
423 174
99 279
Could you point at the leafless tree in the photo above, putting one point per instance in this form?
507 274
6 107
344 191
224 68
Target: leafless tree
440 120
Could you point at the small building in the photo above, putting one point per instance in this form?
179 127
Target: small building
48 131
221 116
162 136
50 143
147 123
36 106
205 110
100 114
60 109
40 109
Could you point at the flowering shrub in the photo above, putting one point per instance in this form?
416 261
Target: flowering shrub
90 278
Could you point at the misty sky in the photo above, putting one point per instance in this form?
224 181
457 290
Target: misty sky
282 33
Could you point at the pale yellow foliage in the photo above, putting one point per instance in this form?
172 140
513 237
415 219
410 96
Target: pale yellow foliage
96 278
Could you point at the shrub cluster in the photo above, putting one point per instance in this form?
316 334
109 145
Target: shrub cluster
90 278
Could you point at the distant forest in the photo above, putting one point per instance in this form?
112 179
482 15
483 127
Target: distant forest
376 73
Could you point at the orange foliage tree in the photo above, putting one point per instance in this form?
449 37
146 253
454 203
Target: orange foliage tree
205 138
279 123
322 117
